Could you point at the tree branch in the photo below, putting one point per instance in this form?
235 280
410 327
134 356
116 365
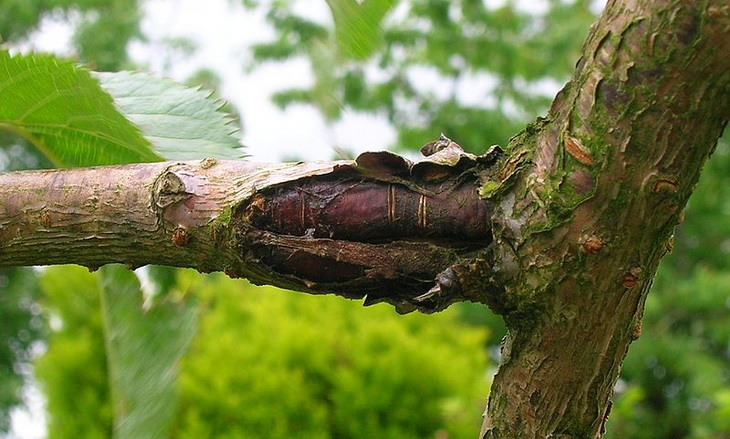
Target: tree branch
580 233
133 214
380 226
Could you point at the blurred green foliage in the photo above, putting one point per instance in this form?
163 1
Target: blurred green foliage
270 364
475 72
103 27
145 338
73 371
357 26
20 328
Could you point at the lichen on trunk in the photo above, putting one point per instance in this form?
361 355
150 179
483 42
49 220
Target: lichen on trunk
579 233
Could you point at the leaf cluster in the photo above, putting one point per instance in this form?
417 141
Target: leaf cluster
104 29
473 71
73 119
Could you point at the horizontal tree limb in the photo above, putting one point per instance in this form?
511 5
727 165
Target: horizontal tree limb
380 226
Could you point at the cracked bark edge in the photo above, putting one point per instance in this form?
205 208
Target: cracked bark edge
382 228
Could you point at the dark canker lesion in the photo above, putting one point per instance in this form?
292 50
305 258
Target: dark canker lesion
383 227
362 210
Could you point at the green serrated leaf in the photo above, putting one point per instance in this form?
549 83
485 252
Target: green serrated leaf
182 123
144 346
60 108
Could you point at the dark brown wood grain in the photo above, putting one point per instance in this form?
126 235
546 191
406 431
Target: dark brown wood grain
358 235
357 209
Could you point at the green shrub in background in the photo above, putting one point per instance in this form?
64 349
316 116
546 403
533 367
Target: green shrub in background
272 364
73 370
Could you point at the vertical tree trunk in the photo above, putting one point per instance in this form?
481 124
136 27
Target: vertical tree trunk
580 233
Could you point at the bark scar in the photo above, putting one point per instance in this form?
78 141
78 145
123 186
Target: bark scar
168 193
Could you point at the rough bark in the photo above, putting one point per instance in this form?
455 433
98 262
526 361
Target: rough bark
571 227
581 231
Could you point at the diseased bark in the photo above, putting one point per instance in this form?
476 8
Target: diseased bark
570 231
580 233
135 214
379 227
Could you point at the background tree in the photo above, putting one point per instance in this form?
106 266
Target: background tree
667 390
478 72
